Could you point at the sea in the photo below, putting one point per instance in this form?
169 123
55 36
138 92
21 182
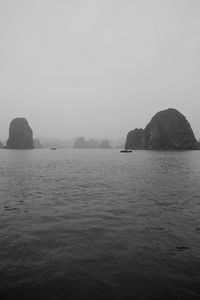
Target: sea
83 224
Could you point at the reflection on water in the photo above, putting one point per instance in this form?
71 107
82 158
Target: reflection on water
99 224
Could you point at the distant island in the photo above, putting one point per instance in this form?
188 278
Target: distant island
167 130
82 143
20 135
104 144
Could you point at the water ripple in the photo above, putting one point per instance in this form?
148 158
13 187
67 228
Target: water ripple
99 225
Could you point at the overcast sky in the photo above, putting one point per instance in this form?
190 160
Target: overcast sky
98 68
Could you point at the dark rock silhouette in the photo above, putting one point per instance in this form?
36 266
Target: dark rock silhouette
37 144
167 130
20 135
104 144
134 139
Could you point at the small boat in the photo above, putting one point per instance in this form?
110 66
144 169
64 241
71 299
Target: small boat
53 148
126 151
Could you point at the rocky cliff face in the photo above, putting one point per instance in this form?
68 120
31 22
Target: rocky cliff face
167 130
134 139
20 135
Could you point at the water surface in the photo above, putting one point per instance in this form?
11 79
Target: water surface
99 224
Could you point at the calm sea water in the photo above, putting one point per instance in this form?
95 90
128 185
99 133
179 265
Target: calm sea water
99 224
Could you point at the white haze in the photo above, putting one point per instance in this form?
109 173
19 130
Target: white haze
98 68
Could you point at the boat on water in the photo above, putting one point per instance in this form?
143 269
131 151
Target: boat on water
126 151
53 148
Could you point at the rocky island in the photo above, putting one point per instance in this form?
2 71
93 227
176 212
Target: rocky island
134 139
20 135
167 130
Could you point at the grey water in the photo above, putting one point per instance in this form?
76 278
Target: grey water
99 224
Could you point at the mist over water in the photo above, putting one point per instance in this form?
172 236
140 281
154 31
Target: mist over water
99 224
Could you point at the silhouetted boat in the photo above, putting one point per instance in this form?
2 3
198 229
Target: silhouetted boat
53 148
126 151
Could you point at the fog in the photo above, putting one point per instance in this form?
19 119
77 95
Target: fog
98 68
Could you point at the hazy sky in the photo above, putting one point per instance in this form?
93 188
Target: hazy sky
98 68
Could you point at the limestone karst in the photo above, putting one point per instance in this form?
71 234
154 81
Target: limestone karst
20 135
167 130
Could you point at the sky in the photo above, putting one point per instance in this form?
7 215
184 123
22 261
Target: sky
98 68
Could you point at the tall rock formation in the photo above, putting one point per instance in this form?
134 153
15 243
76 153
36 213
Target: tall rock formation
134 139
167 130
20 135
